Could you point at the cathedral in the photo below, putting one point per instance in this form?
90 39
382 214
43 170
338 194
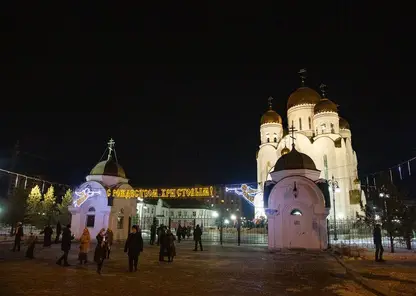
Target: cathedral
316 129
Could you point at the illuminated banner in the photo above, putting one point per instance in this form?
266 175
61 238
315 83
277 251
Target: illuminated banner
205 192
86 191
244 190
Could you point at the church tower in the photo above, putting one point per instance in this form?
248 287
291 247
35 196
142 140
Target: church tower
300 107
271 132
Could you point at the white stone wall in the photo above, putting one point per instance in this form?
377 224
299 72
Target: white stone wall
307 230
301 117
326 123
271 133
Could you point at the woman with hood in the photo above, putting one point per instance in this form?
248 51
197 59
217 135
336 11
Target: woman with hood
84 246
110 236
100 250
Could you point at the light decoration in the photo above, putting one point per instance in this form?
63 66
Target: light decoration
83 195
169 193
245 191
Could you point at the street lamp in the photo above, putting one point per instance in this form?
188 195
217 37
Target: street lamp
233 217
335 188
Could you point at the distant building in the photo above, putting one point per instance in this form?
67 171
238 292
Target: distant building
320 133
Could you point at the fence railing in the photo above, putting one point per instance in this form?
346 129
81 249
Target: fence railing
350 232
212 229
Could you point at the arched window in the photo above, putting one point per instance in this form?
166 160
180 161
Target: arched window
275 138
310 123
268 137
296 212
332 128
90 217
300 124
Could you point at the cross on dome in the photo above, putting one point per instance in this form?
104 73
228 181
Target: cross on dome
111 144
270 99
292 136
323 89
303 74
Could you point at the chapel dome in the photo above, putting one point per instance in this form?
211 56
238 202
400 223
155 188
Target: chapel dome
343 124
325 105
294 160
108 168
303 95
271 116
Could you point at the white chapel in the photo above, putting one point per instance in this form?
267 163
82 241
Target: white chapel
321 134
297 207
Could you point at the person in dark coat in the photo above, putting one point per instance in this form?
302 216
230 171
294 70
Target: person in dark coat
378 244
179 232
100 250
65 245
170 245
163 244
58 232
31 243
197 237
47 236
153 233
18 237
133 247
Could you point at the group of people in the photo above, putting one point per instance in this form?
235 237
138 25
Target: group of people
133 246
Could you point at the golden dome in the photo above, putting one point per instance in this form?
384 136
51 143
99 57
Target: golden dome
303 95
343 124
325 105
108 168
271 116
285 151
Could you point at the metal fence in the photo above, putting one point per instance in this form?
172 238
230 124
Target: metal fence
349 232
213 230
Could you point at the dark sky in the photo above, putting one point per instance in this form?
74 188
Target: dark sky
182 89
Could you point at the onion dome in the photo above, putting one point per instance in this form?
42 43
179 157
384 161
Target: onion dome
108 168
325 105
294 160
343 124
284 151
303 96
271 116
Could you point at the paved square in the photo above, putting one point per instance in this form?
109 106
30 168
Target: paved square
227 270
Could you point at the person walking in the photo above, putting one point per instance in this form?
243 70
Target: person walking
84 246
179 232
18 237
162 244
378 243
170 245
197 238
31 243
65 245
100 250
133 247
47 236
109 239
58 232
153 233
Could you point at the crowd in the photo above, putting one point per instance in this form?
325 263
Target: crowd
133 245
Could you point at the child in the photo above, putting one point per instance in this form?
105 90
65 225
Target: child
31 242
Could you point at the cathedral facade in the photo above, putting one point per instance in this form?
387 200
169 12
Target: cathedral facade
317 130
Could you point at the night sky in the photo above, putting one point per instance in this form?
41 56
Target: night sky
181 90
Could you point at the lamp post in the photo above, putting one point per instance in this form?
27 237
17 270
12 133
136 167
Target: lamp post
335 188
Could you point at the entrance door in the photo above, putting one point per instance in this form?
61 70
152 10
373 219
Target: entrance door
297 230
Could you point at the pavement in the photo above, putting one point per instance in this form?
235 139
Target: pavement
218 270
